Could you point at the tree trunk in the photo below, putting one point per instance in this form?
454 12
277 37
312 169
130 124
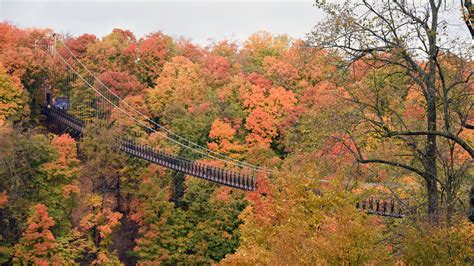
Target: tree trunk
430 165
471 204
449 201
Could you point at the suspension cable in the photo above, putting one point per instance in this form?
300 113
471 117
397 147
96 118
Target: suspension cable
141 123
227 158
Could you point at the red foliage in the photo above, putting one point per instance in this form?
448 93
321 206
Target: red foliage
9 36
79 45
37 244
282 73
259 80
261 201
216 69
189 50
153 51
122 83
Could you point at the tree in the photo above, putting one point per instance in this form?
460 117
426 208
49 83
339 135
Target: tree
37 245
468 15
216 70
203 231
178 85
154 51
121 83
222 136
61 185
14 100
304 227
79 45
115 52
21 176
444 245
102 159
98 223
30 63
265 105
411 41
260 45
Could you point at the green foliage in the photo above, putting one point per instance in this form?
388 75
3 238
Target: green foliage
275 102
203 231
21 176
302 227
13 98
429 245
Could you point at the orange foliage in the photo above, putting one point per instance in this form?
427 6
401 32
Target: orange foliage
266 105
223 193
322 95
70 189
261 200
9 36
66 166
37 244
3 199
222 135
179 85
216 69
122 82
115 52
281 72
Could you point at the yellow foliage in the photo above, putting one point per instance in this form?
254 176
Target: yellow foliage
430 245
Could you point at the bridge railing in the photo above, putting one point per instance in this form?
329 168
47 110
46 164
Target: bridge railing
381 207
214 174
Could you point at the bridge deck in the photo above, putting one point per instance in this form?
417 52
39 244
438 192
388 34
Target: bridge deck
213 174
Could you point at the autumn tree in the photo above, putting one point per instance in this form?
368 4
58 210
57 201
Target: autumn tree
14 100
154 51
204 230
222 137
266 105
121 83
79 45
61 186
98 224
410 41
260 45
216 70
305 227
21 176
102 160
178 85
27 60
37 245
115 52
430 244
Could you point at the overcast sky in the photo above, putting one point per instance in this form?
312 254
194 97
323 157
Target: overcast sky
198 20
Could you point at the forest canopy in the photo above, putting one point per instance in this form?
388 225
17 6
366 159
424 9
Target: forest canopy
376 106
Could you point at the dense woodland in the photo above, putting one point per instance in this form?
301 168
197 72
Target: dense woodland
376 106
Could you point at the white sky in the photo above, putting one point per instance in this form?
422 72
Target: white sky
199 20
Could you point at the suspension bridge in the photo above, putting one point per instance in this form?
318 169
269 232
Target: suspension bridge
95 101
98 101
